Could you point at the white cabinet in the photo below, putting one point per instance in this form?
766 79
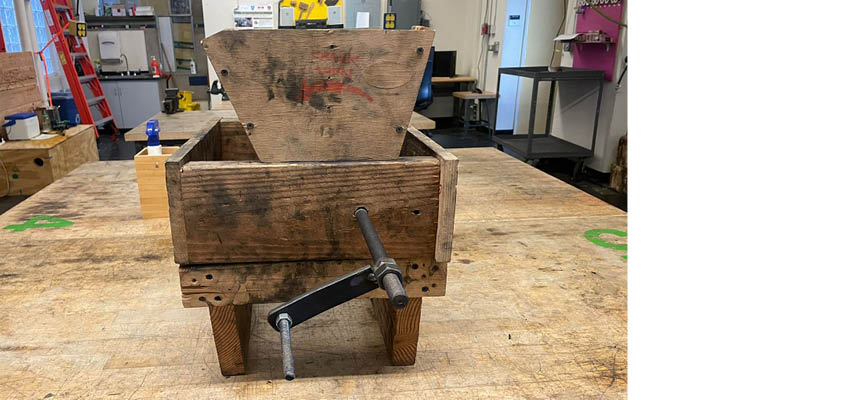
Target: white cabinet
133 101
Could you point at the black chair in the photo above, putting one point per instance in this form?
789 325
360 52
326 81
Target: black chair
426 94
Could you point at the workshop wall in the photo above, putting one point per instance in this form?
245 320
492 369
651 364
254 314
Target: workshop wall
575 104
542 19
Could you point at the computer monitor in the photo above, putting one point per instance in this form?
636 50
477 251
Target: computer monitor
444 63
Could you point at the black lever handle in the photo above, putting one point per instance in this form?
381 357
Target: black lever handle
384 273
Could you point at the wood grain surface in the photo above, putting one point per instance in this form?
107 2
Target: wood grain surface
532 308
30 165
231 329
319 95
247 211
400 329
256 283
179 126
18 84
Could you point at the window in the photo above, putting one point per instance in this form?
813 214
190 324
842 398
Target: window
10 29
42 33
10 26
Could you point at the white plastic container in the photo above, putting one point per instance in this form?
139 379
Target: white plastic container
21 126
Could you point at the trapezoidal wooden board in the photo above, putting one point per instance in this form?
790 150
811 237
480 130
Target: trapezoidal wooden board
321 95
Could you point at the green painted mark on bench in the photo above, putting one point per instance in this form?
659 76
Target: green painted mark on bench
53 222
593 236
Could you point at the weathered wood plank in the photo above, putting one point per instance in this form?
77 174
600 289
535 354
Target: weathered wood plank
416 143
255 283
400 329
235 144
178 126
205 146
254 211
231 329
314 95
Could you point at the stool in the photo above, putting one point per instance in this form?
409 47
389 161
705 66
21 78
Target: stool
467 98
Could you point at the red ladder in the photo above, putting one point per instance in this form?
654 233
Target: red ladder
2 41
72 54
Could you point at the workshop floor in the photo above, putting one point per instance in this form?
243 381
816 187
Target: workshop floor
591 182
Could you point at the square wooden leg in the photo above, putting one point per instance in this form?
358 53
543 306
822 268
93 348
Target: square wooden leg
400 329
231 328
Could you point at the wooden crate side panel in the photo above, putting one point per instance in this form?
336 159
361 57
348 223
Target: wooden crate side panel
235 145
255 283
205 146
78 148
253 211
24 173
417 143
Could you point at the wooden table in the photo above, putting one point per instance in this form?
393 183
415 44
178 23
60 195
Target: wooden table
180 126
533 308
187 124
459 82
452 79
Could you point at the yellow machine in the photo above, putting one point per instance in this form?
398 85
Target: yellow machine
186 103
310 9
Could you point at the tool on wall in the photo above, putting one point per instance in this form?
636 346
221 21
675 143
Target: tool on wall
384 273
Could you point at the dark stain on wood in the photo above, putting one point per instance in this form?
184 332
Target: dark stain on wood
150 257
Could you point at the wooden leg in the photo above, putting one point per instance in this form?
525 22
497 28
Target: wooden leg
400 329
231 327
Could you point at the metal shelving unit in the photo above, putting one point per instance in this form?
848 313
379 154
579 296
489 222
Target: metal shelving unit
532 146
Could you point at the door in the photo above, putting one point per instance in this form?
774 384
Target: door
512 45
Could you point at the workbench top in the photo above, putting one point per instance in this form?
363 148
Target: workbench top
533 308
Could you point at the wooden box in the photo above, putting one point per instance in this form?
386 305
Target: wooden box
226 208
30 165
150 175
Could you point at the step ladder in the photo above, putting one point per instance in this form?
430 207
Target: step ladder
2 40
77 65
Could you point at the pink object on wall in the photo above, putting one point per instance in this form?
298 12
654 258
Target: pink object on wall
592 55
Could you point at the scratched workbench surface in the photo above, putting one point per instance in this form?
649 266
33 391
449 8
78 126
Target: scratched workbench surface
535 305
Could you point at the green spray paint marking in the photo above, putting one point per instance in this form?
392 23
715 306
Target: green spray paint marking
593 236
53 222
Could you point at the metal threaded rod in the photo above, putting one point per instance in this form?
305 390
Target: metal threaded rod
283 324
376 248
389 281
395 291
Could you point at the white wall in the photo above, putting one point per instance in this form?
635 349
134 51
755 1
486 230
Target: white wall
544 17
576 102
542 20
